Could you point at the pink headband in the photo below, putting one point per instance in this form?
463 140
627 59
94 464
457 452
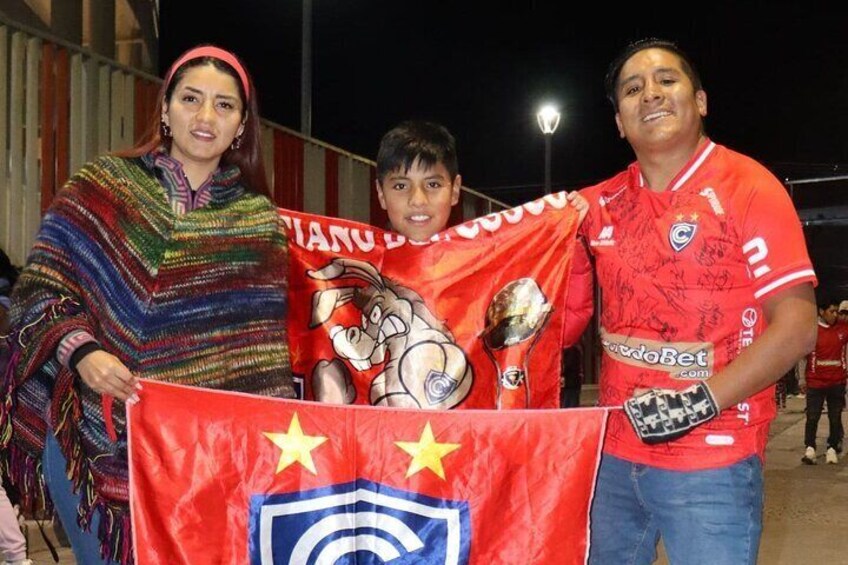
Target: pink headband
215 53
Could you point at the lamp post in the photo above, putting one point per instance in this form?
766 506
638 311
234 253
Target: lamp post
548 119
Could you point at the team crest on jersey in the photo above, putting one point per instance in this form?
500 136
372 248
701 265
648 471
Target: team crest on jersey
682 233
358 522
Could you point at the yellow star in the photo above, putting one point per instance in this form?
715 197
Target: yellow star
694 216
679 217
296 446
427 453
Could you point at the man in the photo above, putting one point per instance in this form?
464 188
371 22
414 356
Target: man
823 374
707 300
842 315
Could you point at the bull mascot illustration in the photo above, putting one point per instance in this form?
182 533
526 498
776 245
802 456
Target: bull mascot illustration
422 367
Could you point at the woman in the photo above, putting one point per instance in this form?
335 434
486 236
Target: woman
166 262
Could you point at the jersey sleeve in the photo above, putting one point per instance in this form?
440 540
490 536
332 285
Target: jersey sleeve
772 239
580 303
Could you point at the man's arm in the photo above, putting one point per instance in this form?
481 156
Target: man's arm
659 416
790 335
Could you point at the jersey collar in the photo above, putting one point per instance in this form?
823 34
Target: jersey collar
685 173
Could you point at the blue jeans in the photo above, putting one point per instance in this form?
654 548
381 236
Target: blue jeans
710 517
85 544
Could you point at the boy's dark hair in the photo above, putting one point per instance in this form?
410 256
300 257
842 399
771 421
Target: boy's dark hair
429 142
614 70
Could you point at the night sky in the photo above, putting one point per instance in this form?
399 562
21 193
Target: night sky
775 73
776 77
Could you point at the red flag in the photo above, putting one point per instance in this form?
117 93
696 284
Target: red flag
221 477
473 319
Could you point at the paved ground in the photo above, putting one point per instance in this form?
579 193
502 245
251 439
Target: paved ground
806 507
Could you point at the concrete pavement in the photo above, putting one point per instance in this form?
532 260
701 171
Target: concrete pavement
806 507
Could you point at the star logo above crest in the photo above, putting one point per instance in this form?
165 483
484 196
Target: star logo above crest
427 453
297 447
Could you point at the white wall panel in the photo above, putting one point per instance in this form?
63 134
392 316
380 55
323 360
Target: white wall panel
360 180
31 216
104 99
16 147
5 204
314 179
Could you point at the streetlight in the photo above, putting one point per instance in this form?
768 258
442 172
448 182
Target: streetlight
548 118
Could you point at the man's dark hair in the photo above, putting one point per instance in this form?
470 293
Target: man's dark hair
614 70
428 142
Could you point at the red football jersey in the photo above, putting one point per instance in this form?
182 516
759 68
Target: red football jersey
683 274
826 364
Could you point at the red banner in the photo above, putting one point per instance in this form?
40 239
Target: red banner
229 478
472 319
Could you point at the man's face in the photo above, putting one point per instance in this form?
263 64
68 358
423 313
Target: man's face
419 201
658 106
842 316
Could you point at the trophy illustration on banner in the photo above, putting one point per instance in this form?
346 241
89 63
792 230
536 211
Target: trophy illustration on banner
514 320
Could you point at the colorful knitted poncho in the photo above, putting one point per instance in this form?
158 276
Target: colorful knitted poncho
196 299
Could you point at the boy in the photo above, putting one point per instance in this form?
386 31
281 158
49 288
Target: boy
417 184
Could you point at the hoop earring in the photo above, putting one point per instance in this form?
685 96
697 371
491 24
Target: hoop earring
166 129
236 144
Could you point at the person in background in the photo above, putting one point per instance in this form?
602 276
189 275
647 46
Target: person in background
571 375
842 314
824 380
13 545
8 278
165 262
706 301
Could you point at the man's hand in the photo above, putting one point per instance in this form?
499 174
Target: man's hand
661 415
579 202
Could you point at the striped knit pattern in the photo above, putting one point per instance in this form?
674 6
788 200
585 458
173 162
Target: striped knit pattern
196 299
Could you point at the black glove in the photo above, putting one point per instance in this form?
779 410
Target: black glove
665 415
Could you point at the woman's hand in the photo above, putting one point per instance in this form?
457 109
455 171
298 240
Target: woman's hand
579 202
105 374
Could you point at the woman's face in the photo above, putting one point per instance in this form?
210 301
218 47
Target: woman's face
205 115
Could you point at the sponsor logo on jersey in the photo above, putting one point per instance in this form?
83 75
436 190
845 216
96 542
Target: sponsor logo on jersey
362 522
711 197
749 323
682 360
604 237
604 200
681 232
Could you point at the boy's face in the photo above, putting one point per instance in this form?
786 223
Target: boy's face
418 201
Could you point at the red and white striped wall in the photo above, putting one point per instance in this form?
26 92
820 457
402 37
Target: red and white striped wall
61 105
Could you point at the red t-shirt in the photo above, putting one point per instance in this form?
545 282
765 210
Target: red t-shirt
683 274
826 364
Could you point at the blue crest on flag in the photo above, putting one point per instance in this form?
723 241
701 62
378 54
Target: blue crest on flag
681 234
359 522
